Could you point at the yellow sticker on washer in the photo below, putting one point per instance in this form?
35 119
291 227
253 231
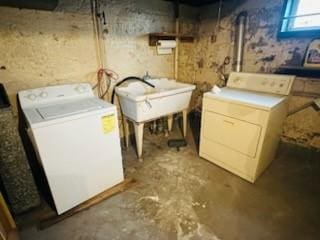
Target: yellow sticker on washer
108 123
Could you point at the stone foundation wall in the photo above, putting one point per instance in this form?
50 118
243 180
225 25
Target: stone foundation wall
14 167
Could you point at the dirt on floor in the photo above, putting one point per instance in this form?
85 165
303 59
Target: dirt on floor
169 183
180 196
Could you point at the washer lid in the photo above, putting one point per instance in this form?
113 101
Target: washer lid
259 100
53 113
67 109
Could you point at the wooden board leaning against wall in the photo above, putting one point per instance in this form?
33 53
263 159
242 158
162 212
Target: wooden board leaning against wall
8 230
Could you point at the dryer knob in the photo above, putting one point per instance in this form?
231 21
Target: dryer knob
237 80
31 96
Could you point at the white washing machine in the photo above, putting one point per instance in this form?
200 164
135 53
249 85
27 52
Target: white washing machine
241 124
76 137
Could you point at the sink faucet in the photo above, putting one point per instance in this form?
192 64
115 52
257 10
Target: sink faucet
146 76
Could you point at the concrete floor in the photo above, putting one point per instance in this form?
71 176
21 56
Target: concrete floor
181 196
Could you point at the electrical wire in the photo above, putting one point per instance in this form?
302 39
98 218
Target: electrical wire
104 76
221 71
104 79
97 33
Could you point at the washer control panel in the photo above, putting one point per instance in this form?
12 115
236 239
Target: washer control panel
56 93
269 83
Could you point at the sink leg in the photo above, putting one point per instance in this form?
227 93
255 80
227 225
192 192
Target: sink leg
126 130
170 120
185 121
138 130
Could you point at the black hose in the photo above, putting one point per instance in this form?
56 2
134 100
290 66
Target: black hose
126 79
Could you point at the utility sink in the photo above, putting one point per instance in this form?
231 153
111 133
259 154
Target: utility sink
141 103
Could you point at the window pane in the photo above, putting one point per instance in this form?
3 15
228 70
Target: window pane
312 22
300 18
307 7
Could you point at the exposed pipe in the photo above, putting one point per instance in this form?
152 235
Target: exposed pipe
300 108
218 23
305 94
176 53
241 23
95 11
177 29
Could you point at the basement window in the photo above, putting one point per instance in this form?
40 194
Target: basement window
300 18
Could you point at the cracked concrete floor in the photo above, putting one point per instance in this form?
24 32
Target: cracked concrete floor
181 196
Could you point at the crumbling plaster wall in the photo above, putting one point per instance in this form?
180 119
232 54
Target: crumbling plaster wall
127 40
41 48
263 52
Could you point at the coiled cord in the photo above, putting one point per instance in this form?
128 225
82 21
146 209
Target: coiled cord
104 80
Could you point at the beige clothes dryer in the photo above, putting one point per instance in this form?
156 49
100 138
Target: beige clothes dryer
241 124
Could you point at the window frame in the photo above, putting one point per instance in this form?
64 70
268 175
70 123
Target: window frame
298 33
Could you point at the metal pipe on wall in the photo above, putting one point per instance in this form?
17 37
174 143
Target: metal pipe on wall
95 8
177 30
176 53
241 23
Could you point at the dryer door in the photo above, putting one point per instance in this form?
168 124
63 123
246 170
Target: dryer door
233 133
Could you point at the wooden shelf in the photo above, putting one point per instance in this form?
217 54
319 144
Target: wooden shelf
154 37
299 71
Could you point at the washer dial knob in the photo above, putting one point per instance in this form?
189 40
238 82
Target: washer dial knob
43 94
80 88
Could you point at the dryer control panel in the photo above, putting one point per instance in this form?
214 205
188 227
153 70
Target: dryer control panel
268 83
51 94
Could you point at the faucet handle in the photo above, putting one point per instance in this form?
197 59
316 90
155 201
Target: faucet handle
146 76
